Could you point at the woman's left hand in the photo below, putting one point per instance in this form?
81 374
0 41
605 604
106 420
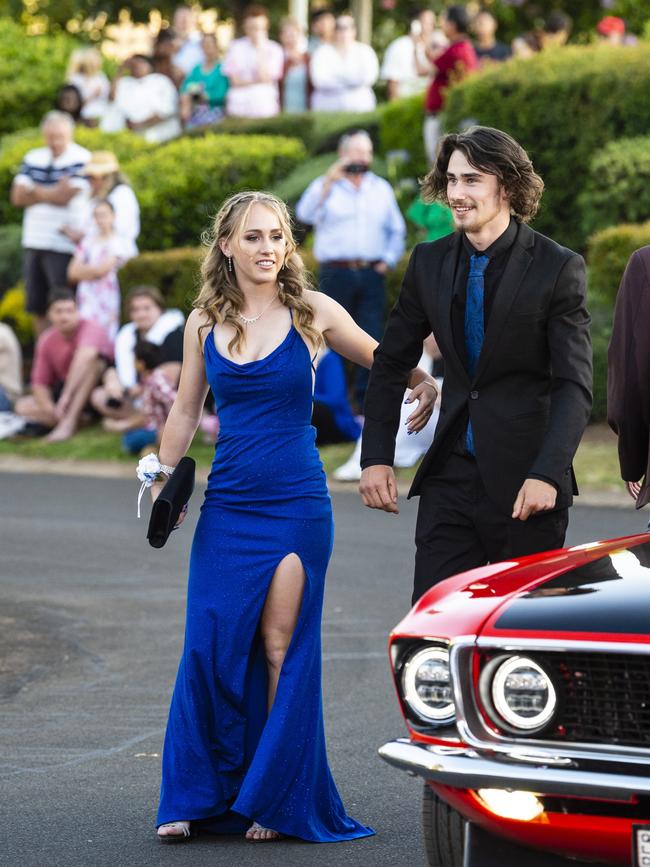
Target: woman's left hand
426 394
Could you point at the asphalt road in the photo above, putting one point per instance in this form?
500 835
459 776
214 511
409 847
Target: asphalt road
90 634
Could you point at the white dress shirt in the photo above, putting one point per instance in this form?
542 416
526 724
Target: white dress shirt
343 82
352 222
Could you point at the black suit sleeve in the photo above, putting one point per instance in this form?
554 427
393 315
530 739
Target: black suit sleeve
627 370
397 354
571 370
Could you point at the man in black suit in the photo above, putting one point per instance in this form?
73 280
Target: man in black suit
507 308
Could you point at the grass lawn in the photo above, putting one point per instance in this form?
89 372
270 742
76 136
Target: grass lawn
596 463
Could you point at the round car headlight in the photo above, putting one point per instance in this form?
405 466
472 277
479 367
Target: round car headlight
523 693
426 685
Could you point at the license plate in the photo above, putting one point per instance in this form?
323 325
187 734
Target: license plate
641 845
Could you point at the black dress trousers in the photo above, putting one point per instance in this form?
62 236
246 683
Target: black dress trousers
459 527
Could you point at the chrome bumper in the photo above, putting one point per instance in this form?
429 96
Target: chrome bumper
465 768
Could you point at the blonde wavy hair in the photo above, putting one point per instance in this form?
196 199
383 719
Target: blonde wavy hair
220 296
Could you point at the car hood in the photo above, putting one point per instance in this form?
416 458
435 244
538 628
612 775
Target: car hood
608 596
600 588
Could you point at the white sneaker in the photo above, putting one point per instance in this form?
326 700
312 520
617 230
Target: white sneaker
10 424
350 471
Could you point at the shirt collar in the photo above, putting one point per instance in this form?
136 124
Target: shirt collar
501 245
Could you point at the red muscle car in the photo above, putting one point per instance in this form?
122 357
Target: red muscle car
525 687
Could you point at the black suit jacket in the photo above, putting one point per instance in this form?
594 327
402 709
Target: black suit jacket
530 400
628 386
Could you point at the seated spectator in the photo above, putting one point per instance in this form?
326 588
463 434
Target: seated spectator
85 73
254 67
321 29
107 182
203 93
332 415
189 53
119 393
295 85
343 73
488 49
68 99
143 101
164 52
11 368
69 360
94 268
50 187
159 381
611 29
406 68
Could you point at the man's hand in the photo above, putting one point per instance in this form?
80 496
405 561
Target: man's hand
534 496
378 488
381 267
633 489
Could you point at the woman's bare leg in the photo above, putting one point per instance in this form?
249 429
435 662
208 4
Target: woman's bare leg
277 626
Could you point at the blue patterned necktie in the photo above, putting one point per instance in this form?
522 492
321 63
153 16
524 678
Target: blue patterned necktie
474 325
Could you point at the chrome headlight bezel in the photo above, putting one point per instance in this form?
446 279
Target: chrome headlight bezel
407 677
492 690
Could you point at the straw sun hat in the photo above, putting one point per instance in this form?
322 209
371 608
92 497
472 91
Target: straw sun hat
101 163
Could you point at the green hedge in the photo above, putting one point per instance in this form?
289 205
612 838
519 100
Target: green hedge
180 185
318 131
608 254
618 185
32 68
562 106
400 128
13 147
11 256
174 272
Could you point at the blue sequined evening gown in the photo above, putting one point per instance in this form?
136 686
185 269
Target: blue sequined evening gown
226 760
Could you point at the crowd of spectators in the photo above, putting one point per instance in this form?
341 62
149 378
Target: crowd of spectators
81 217
189 80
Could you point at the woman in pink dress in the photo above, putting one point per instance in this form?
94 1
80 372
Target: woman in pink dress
94 268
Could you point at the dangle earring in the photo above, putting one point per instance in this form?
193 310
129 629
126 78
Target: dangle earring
230 263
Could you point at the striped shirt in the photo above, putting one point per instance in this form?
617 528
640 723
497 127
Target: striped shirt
42 222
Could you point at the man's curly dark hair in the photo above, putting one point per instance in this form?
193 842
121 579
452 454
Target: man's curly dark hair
495 153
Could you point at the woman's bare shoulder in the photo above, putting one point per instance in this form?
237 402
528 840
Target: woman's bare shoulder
198 325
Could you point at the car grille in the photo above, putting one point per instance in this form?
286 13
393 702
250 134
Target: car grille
604 697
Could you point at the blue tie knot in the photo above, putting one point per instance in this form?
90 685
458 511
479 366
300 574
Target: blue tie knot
477 265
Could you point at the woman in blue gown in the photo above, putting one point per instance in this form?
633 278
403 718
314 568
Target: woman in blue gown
244 748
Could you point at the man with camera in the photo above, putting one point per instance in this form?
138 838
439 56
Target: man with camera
359 235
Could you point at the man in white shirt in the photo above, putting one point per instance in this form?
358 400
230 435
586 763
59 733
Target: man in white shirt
51 189
343 73
359 235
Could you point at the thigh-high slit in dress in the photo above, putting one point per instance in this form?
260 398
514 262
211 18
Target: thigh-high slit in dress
227 760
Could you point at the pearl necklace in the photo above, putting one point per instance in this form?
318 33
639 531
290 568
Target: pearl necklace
249 320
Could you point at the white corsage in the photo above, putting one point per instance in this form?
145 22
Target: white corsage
148 470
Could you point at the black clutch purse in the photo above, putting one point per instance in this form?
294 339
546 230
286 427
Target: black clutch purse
169 503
